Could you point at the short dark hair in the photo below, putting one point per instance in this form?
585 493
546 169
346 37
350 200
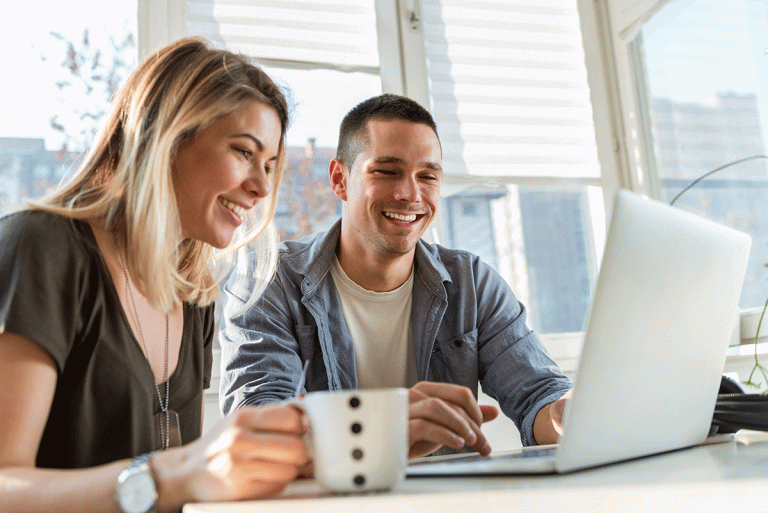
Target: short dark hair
353 134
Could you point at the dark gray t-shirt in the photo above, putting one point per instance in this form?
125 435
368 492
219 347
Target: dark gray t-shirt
56 290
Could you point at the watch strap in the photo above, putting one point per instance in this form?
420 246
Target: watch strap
137 465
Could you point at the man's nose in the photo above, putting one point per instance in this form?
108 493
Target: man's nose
407 189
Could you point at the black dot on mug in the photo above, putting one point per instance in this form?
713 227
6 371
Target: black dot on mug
359 480
356 427
357 454
354 402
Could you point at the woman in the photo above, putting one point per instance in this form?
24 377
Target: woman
106 301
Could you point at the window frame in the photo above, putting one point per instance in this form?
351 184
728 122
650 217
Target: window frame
402 70
564 346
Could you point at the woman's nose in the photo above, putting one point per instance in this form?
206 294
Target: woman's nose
258 184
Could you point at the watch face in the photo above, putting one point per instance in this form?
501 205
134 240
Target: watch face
137 493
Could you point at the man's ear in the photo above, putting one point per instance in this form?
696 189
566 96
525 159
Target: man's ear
338 174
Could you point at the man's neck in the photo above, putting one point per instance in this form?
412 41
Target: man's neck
377 273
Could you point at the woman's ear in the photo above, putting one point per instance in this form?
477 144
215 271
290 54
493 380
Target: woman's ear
338 174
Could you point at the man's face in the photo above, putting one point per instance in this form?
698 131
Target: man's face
392 192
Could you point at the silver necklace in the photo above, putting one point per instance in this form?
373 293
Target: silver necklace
166 437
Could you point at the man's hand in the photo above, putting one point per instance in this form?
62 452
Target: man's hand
445 414
549 421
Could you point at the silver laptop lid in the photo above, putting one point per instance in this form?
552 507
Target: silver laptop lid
654 349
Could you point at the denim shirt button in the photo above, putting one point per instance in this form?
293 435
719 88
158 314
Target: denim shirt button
457 343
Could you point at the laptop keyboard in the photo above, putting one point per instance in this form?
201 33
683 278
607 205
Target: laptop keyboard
534 452
526 453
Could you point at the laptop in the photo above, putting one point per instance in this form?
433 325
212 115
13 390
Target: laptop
654 349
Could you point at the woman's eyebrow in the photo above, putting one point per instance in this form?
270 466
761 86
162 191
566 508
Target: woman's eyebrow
256 141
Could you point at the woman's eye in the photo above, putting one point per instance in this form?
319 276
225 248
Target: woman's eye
267 169
244 152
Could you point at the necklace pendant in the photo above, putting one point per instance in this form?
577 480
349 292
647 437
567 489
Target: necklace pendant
169 428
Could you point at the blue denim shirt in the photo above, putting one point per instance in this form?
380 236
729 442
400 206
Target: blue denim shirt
468 327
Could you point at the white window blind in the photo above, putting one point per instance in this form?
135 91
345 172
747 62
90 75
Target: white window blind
508 87
338 34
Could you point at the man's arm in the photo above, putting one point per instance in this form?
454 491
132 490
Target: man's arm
519 372
260 357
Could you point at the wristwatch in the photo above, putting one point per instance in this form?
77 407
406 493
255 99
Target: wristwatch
136 490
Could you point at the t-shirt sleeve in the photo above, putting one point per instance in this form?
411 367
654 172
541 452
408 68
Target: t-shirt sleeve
41 269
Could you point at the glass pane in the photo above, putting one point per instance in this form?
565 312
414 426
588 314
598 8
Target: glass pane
338 32
62 63
307 204
707 98
508 87
540 239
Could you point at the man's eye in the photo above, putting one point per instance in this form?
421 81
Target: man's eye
384 171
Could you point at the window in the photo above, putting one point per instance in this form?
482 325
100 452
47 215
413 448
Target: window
66 61
507 85
325 57
702 92
506 81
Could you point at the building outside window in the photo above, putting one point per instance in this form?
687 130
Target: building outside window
702 79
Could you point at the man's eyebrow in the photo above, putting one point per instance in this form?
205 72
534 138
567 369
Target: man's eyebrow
258 143
396 160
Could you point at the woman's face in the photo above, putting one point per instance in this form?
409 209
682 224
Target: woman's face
222 171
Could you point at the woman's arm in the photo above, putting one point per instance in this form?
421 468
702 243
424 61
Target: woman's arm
252 453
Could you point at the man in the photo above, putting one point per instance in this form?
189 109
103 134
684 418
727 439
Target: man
369 304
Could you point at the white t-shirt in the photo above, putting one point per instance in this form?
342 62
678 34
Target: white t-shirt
380 326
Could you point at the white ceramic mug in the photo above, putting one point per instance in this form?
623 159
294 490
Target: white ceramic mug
359 437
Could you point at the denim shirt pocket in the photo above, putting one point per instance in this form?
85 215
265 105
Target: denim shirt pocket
454 360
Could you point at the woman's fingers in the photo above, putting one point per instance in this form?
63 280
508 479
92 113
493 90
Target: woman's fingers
254 452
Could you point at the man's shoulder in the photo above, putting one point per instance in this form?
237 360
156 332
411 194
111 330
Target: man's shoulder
302 255
458 268
450 258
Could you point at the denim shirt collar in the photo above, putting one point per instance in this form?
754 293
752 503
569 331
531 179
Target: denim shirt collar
315 259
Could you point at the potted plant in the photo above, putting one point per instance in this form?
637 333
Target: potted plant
750 319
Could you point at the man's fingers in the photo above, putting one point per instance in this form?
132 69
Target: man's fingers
448 416
425 430
489 412
456 394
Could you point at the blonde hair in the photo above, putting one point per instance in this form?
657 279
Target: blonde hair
125 179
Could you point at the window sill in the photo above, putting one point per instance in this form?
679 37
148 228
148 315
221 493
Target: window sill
565 349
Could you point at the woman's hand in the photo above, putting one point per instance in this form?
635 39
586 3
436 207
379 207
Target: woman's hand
253 452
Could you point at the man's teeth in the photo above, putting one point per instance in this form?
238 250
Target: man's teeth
399 217
238 210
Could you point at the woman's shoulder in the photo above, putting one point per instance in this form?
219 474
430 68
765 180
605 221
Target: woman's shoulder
33 224
40 232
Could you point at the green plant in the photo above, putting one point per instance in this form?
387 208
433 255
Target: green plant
757 367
